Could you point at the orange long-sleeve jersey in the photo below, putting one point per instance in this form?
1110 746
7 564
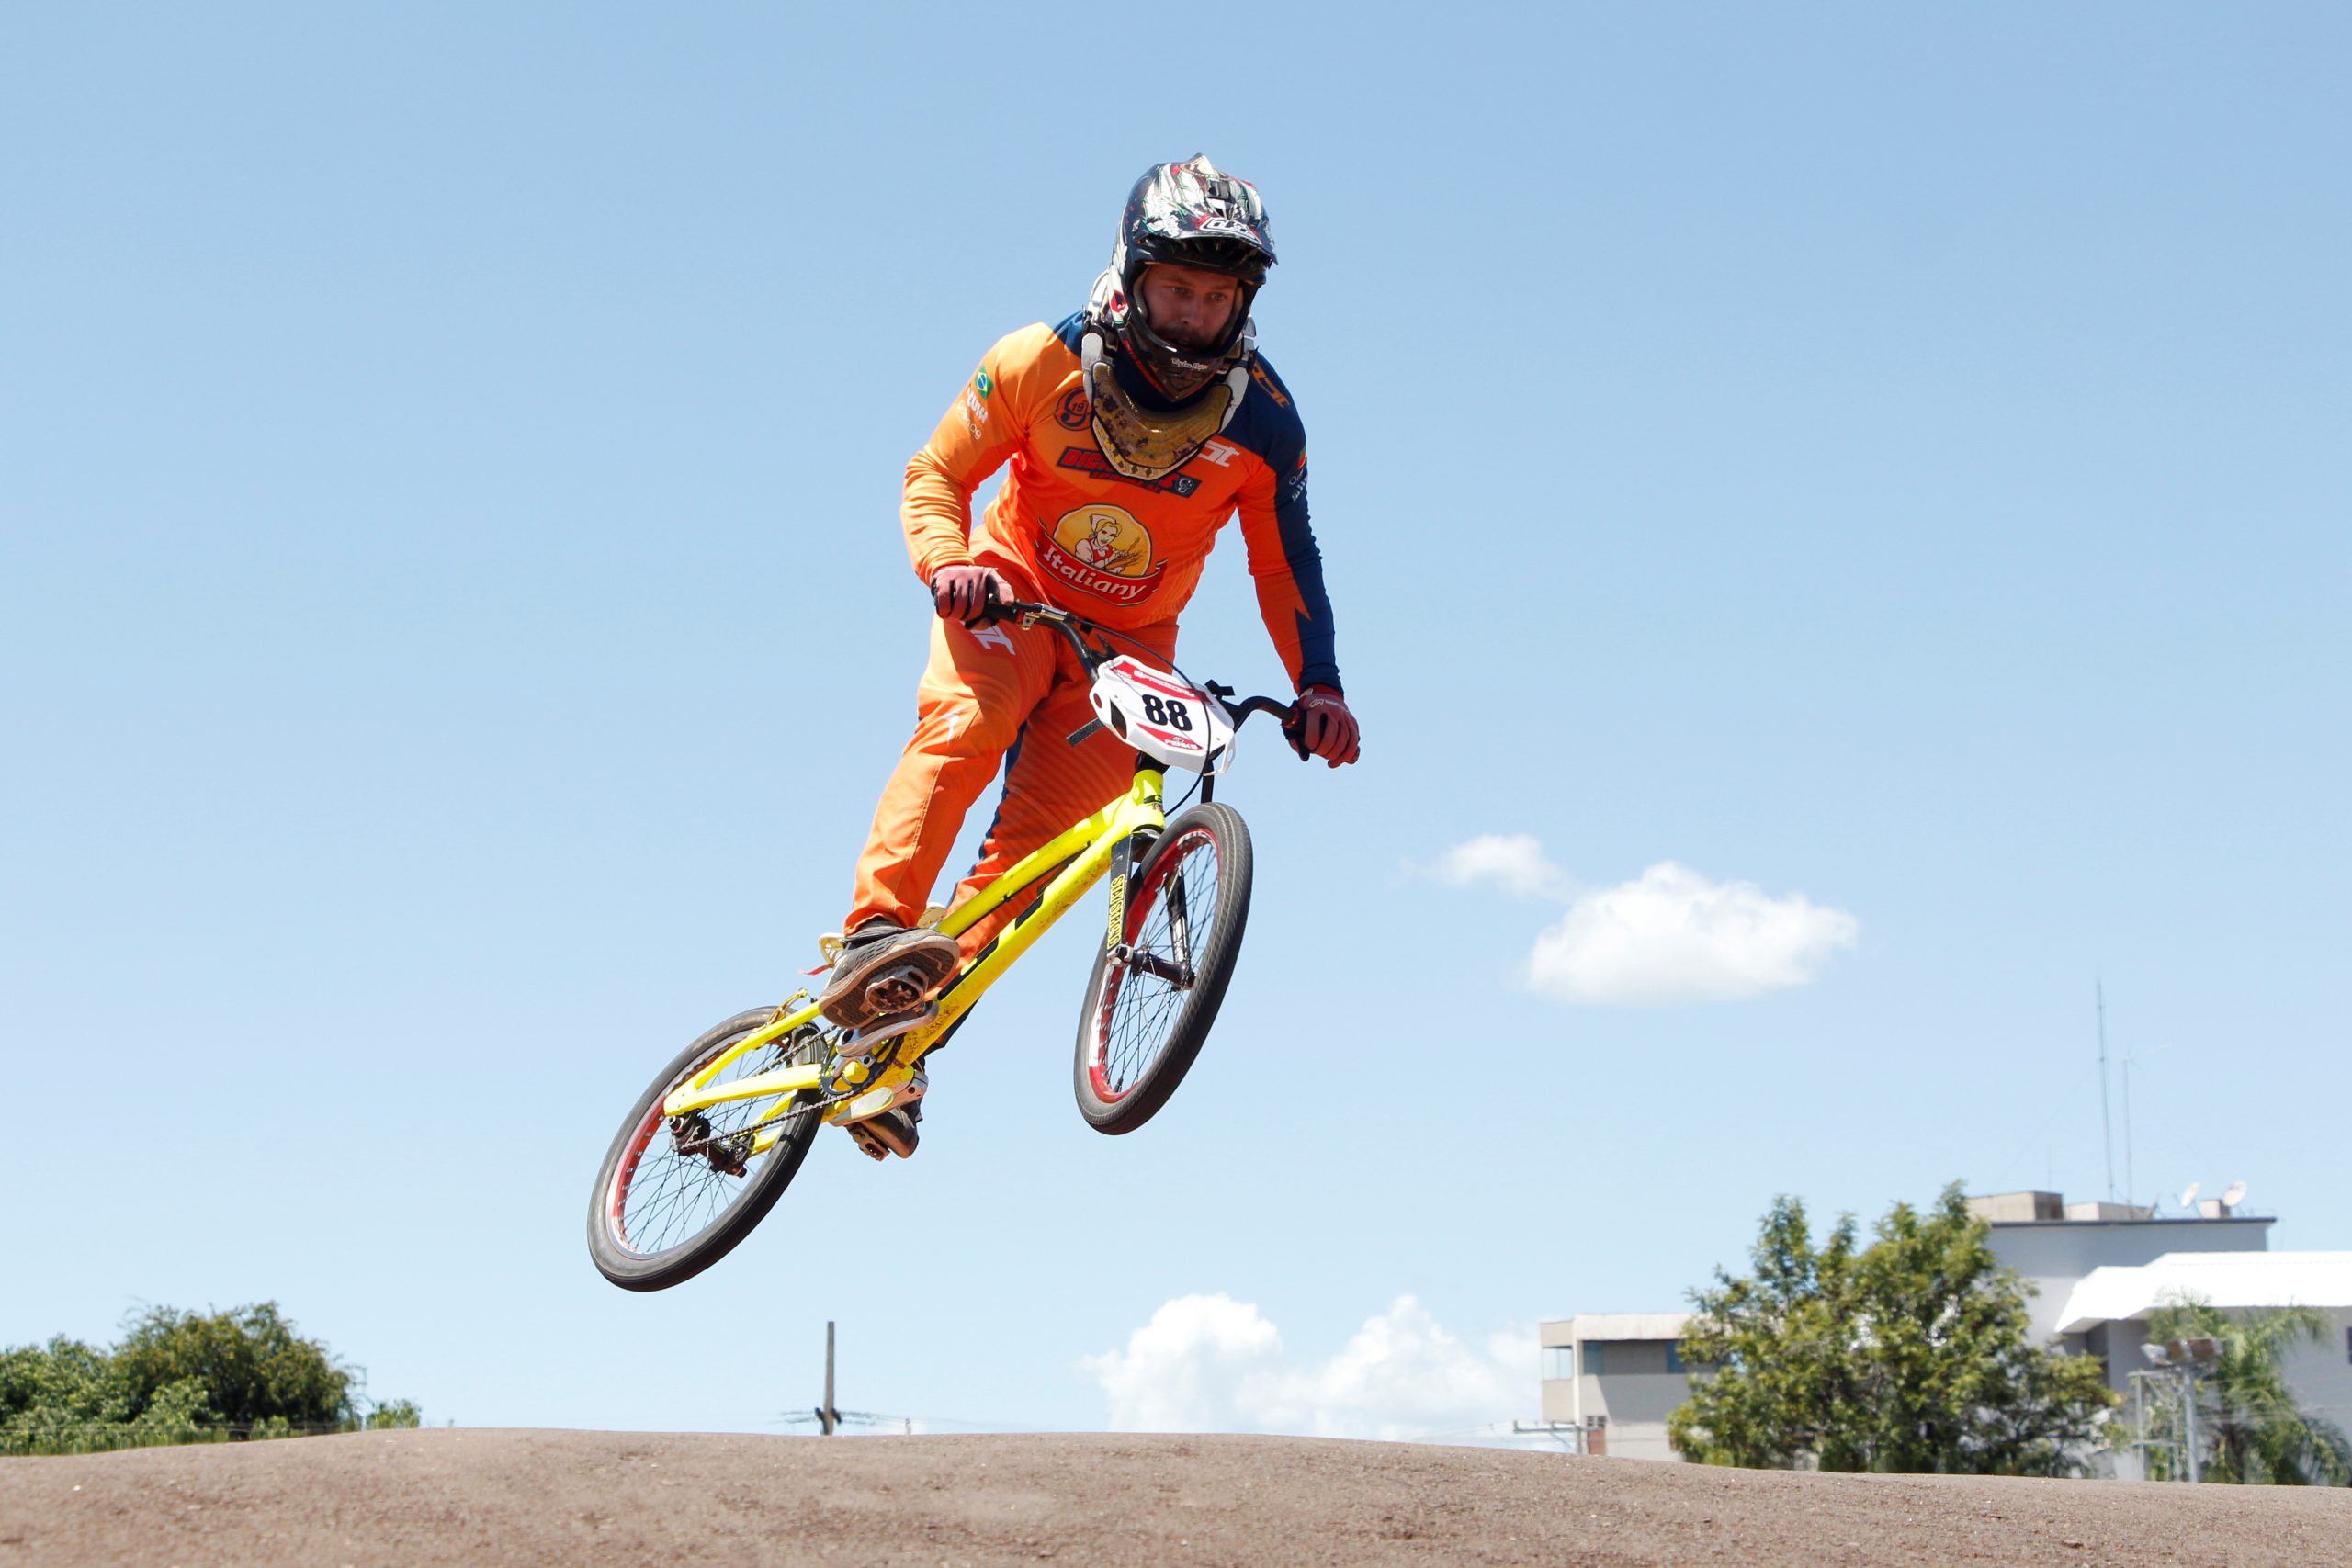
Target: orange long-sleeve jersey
1068 529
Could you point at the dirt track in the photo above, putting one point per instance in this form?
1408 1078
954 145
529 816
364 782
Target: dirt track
612 1497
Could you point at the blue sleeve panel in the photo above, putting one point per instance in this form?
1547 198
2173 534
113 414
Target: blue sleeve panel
1269 426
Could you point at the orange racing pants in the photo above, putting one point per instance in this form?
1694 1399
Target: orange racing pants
992 694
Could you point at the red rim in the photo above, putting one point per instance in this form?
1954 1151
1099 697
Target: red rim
617 1199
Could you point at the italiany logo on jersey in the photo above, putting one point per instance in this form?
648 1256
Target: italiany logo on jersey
1103 550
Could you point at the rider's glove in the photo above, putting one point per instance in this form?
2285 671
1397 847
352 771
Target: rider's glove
961 592
1327 729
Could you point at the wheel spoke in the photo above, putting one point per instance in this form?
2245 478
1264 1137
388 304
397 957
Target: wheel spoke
671 1198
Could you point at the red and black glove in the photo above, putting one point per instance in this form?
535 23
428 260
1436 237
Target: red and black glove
1326 728
961 592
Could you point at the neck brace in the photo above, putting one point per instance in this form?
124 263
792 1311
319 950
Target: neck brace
1144 443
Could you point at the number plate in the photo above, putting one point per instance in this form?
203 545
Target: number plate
1159 714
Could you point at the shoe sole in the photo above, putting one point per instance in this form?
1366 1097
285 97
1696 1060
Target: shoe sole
898 984
878 1142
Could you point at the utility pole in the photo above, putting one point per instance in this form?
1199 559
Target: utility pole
2188 1417
2182 1358
827 1417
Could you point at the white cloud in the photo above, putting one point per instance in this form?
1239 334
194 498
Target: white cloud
1181 1371
1672 936
1213 1364
1514 862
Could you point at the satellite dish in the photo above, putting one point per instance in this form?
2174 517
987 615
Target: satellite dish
2189 1196
2234 1196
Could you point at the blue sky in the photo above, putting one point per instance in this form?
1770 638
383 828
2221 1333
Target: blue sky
456 625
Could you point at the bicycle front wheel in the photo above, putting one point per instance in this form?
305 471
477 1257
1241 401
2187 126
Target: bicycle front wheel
676 1195
1153 996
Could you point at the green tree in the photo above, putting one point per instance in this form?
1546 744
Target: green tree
256 1369
181 1377
1910 1354
2250 1428
69 1397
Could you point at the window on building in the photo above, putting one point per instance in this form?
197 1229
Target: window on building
2347 1344
1559 1361
1592 1358
1674 1355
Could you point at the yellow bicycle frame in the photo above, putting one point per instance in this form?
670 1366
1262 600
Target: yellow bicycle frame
1088 846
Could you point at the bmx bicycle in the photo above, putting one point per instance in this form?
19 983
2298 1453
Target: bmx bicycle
712 1143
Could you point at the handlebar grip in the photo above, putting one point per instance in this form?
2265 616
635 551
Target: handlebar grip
1293 722
1295 731
998 609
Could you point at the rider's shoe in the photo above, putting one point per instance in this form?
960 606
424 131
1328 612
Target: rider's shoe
886 968
897 1130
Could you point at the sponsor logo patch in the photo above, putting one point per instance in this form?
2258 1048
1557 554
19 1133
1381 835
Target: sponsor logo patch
986 386
1103 550
1219 452
1258 374
1090 460
1072 413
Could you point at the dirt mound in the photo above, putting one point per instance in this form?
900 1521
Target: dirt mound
620 1498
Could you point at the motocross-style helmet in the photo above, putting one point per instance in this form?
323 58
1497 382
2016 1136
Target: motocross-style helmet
1189 214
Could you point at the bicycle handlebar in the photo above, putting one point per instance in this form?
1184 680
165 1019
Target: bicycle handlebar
1070 625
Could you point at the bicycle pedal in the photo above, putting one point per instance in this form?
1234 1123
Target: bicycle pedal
899 990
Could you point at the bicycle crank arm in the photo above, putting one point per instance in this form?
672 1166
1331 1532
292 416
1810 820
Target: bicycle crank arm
1177 974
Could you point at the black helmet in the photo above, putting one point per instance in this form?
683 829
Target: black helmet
1189 214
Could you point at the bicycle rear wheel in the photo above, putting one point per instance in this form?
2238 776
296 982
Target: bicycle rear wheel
672 1199
1152 998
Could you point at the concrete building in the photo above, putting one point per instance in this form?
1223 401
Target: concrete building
1611 1378
2055 1243
2099 1270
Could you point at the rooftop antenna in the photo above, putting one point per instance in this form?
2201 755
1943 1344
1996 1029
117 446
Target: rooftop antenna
2106 1120
2130 1186
2189 1194
2233 1197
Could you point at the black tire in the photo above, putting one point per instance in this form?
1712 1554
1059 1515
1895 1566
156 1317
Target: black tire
659 1216
1139 1031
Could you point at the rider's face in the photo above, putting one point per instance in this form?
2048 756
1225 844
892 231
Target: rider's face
1188 306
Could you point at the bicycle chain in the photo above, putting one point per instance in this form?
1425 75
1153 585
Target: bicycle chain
701 1147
